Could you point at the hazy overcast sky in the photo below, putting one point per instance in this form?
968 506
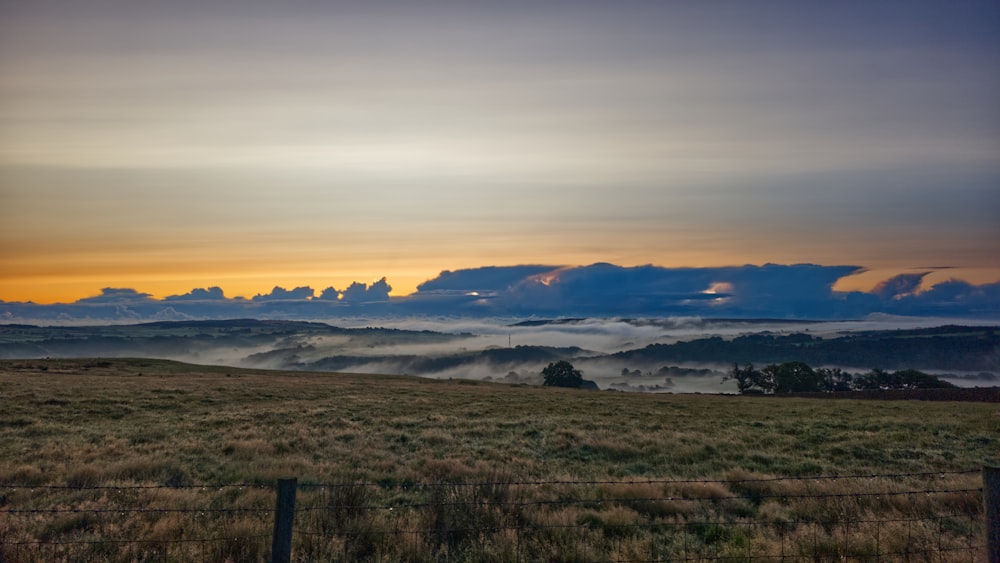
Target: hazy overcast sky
246 144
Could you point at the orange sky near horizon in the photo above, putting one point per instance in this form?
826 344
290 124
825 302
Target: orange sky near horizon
240 271
68 290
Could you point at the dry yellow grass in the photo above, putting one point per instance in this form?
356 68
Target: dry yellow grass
128 423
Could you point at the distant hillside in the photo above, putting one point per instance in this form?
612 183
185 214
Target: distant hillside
500 360
172 339
318 346
957 348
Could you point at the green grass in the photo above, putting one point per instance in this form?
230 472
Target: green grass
128 422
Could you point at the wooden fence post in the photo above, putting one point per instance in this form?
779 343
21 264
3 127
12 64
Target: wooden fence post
284 515
991 506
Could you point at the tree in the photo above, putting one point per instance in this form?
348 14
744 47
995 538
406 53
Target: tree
789 377
835 379
913 379
902 379
562 374
875 379
793 377
797 377
746 377
751 381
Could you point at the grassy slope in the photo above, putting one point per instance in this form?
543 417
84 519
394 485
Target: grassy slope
224 424
91 422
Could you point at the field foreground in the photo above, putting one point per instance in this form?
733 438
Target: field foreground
123 460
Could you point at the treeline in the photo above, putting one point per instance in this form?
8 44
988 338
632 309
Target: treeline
955 348
799 377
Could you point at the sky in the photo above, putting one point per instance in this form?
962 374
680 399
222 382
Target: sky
165 146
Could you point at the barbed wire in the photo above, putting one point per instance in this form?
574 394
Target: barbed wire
159 541
831 477
498 503
408 485
136 487
787 557
637 526
418 505
624 500
506 498
123 511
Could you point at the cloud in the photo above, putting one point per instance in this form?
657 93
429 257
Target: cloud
602 290
170 314
485 279
950 298
800 290
359 293
379 291
362 293
282 294
899 286
330 294
122 312
116 295
198 294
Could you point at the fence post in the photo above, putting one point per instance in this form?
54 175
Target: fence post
991 502
284 514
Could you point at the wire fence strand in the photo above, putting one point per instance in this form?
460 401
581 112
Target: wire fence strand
917 516
532 483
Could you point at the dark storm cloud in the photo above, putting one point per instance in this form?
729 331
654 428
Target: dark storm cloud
950 298
488 278
801 290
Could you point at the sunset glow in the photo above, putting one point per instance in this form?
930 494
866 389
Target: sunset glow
248 145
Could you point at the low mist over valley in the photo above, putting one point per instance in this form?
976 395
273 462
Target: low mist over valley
653 355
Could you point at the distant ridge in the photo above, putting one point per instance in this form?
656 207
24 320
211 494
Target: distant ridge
317 345
236 323
951 347
674 320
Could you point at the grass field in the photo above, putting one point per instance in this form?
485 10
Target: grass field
120 423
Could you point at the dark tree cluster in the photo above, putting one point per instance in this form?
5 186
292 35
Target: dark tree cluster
798 377
562 374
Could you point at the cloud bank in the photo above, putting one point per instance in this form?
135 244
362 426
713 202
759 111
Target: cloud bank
796 291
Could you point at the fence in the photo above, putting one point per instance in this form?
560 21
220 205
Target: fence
883 517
